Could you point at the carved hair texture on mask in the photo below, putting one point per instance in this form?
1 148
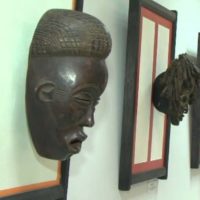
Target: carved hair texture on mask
70 33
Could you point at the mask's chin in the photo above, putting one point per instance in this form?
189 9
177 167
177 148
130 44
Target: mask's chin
73 146
175 119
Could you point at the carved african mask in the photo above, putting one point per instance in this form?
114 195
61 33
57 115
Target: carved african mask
65 81
174 90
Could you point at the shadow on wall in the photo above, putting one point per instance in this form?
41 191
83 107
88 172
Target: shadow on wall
139 191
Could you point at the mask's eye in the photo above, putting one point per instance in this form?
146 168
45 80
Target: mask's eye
83 99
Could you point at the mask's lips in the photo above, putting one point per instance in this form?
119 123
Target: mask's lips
74 142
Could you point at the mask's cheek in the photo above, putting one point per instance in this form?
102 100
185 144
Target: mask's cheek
70 116
77 113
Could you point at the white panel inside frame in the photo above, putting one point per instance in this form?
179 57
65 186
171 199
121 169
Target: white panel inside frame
150 126
144 91
158 133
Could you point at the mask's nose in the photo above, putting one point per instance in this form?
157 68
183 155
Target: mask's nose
88 119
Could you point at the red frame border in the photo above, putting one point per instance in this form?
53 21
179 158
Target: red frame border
36 186
151 165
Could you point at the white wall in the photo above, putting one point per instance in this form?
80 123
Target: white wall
94 172
19 164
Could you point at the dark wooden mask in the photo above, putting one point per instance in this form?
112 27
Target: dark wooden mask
66 76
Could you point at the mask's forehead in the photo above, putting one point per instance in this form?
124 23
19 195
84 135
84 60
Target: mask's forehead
91 72
69 72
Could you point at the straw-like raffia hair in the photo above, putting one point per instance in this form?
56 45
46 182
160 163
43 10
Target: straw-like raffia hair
181 75
70 33
179 86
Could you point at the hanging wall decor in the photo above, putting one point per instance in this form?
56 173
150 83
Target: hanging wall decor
145 131
175 89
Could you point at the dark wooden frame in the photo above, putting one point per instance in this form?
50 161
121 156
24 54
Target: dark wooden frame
195 126
126 178
52 193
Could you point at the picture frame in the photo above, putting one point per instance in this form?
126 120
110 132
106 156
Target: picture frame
57 189
78 5
195 127
150 26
